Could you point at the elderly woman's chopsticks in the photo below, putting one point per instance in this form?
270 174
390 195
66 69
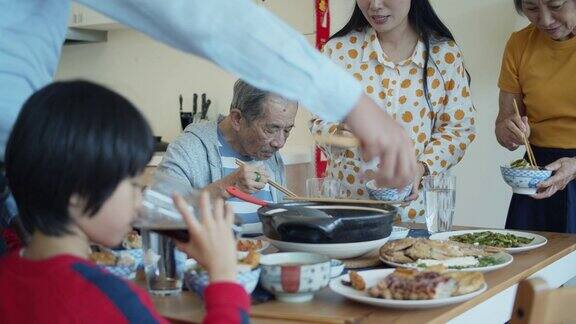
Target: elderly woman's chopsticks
526 142
273 183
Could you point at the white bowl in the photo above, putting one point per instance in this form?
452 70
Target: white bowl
294 277
398 233
524 181
335 251
336 268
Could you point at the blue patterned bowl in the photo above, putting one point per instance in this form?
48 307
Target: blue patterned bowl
136 254
197 281
127 272
387 194
524 181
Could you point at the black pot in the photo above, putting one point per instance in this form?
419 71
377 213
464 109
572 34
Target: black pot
348 224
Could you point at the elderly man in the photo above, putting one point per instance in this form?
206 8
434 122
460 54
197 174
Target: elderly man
257 127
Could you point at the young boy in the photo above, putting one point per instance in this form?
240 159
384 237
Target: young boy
73 162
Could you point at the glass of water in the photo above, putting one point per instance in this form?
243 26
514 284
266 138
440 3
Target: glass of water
163 264
440 197
322 188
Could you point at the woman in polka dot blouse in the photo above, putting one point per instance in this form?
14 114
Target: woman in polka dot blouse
407 60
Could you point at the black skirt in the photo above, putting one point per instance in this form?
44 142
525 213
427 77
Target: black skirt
554 214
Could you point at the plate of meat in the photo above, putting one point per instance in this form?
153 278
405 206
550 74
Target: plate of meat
421 253
410 288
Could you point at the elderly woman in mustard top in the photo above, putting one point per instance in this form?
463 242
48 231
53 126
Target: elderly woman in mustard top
539 72
408 61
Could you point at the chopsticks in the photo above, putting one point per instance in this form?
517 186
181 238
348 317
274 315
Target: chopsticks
526 143
273 183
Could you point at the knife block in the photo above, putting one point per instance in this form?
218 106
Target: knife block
186 119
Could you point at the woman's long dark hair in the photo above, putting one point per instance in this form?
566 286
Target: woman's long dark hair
422 18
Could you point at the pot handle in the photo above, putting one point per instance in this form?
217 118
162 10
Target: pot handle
235 192
286 224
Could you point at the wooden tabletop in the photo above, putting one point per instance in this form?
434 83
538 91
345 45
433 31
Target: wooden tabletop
328 307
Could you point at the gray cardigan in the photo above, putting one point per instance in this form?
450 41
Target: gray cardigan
194 158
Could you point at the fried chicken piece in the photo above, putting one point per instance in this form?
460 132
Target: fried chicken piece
248 245
252 259
132 241
398 245
467 282
357 281
104 258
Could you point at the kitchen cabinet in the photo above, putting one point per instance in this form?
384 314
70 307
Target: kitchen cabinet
86 18
297 13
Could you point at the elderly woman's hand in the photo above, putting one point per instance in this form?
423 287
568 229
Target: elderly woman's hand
510 130
564 172
249 179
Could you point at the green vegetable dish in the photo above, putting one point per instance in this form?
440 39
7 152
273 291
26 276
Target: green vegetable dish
485 261
523 164
488 238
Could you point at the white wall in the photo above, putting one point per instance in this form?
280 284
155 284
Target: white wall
481 29
152 76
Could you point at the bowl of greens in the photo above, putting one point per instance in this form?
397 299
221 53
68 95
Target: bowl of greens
509 241
523 177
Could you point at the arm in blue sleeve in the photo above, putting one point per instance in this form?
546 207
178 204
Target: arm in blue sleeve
246 40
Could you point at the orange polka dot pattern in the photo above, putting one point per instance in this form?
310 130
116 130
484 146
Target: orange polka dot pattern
441 133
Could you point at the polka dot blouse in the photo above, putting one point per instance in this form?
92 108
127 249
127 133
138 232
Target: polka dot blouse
440 128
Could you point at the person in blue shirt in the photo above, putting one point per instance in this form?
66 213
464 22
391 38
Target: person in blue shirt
237 35
205 155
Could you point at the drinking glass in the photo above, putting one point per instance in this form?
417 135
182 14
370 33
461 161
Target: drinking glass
322 188
158 212
440 196
163 264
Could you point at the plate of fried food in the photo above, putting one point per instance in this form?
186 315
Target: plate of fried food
243 246
510 241
404 288
120 264
421 253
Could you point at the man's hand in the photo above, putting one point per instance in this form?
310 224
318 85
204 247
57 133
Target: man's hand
381 136
249 179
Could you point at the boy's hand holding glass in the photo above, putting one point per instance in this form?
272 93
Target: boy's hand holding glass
212 242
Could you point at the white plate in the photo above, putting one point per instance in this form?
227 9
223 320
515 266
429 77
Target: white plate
335 251
505 257
538 241
371 277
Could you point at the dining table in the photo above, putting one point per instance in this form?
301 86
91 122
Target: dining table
554 262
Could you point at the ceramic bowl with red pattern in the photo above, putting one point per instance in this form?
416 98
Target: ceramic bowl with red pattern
295 276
